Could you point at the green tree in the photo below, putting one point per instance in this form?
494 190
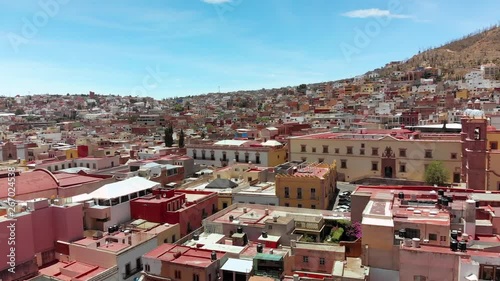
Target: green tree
169 140
181 139
202 135
436 174
19 111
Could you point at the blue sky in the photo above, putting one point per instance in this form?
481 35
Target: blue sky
166 48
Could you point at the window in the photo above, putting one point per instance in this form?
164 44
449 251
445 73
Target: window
302 148
212 155
337 151
305 259
321 160
287 205
477 133
419 278
224 205
374 166
362 151
196 277
124 198
299 193
402 168
456 177
177 274
374 151
313 193
453 156
486 272
322 261
147 268
442 238
343 164
257 158
325 148
299 205
412 233
287 192
127 269
313 206
402 152
433 237
173 238
349 150
138 264
493 145
314 149
94 166
362 145
224 156
203 157
428 153
247 157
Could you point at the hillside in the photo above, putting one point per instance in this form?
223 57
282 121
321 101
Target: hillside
458 57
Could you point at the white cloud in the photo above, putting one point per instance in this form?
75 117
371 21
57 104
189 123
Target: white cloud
374 13
216 1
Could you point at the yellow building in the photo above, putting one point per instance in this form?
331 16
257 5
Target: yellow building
71 153
306 185
462 94
367 88
380 153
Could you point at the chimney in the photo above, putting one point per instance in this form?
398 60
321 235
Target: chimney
260 248
275 218
264 234
267 212
213 256
415 243
245 209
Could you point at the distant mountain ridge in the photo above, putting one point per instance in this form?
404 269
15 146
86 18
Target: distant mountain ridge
457 57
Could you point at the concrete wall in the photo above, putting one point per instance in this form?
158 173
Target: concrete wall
432 265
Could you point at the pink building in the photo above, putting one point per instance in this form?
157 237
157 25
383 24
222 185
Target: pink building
39 183
37 227
182 263
108 256
408 230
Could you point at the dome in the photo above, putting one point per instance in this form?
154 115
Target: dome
491 128
477 101
473 113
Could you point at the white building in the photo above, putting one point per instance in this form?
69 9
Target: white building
223 152
261 193
109 205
